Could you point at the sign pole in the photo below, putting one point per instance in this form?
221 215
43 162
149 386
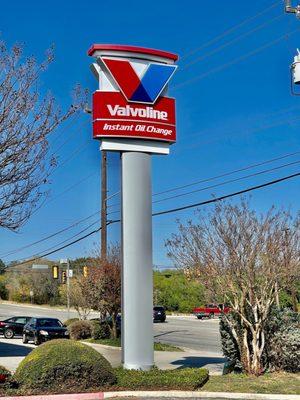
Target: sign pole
133 115
137 274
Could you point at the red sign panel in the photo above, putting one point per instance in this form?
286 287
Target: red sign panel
114 116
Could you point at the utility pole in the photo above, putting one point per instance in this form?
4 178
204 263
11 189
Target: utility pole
103 231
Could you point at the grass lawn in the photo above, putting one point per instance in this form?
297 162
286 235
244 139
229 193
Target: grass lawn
275 383
117 343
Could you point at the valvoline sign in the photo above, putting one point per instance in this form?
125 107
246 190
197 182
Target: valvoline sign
131 101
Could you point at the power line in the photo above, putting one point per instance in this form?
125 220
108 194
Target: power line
229 181
228 173
202 203
232 29
235 40
173 210
49 236
235 60
251 166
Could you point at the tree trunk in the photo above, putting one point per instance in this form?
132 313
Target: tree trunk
114 333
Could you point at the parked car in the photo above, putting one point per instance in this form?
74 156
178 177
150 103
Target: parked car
159 313
211 310
40 330
13 326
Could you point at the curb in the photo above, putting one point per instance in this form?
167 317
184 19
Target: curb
76 396
170 394
202 395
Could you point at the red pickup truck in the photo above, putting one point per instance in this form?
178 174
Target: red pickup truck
210 310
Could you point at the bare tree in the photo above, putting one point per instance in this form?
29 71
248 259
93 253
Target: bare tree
239 256
26 120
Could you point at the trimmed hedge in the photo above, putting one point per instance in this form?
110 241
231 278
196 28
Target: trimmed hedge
63 365
80 330
156 379
70 321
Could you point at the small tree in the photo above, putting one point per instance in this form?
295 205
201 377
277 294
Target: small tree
80 296
26 120
105 286
2 267
239 256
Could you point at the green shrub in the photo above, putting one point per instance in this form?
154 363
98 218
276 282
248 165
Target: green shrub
228 341
63 365
282 337
5 374
283 349
100 330
80 330
70 321
184 379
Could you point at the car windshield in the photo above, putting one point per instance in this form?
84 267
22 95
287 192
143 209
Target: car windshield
49 322
158 308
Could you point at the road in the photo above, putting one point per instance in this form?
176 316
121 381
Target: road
200 335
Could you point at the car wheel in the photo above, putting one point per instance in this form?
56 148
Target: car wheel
24 339
9 333
163 320
37 341
199 317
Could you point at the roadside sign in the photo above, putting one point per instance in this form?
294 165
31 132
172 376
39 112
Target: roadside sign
70 273
40 266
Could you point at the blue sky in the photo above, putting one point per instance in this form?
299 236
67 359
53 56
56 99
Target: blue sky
234 106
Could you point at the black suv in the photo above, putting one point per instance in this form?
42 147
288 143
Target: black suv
40 330
159 314
13 326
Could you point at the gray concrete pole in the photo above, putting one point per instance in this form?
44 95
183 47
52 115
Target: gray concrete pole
137 276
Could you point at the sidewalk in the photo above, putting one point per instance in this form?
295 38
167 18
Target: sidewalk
170 359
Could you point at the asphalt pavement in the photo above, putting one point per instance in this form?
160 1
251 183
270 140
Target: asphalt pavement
200 335
198 339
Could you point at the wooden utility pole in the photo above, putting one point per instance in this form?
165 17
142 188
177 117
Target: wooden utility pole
103 205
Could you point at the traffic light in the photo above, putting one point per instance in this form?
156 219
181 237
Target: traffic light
64 277
85 271
55 272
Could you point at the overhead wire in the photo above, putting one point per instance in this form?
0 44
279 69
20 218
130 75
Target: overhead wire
233 41
235 60
173 210
232 29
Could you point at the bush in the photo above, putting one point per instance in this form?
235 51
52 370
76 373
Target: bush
63 365
100 330
80 330
229 344
282 336
184 379
5 374
70 321
283 348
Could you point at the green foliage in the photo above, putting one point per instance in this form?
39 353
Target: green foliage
5 374
80 330
284 345
64 365
229 344
175 292
70 321
100 330
3 288
176 379
282 350
2 267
